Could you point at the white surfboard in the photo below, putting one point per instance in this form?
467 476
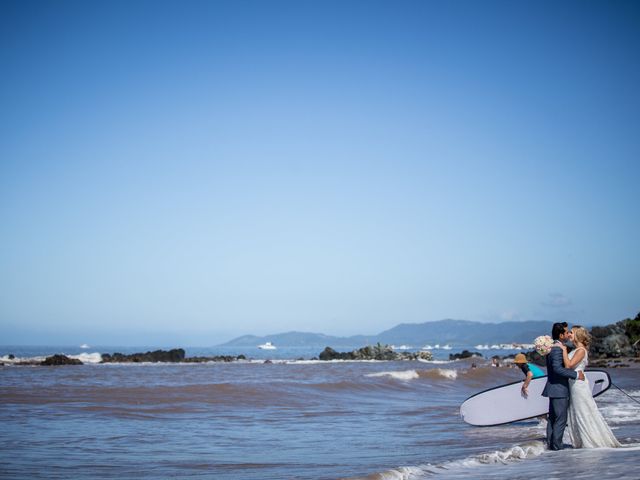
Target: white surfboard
506 404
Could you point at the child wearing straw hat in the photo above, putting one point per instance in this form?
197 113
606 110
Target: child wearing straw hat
530 371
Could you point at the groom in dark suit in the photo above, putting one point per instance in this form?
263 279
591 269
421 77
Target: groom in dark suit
557 388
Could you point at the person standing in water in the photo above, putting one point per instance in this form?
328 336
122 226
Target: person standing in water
587 426
557 387
530 371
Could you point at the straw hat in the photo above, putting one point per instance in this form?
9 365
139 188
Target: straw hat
520 358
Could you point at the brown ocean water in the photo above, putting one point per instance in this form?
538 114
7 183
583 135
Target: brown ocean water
285 420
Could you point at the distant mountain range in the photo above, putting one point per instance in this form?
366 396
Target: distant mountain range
453 332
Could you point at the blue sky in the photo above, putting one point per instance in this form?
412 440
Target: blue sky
185 172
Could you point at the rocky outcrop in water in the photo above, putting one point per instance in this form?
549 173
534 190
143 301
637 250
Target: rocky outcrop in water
612 341
464 354
171 356
176 355
217 358
55 360
377 352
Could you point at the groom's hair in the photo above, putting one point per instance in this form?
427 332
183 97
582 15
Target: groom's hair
558 329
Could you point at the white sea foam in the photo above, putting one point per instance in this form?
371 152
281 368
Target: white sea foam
621 413
11 361
325 362
448 373
405 375
517 452
468 467
436 362
88 357
404 473
507 456
617 408
328 362
83 357
505 346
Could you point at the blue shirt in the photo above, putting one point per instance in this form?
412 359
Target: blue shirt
536 370
530 367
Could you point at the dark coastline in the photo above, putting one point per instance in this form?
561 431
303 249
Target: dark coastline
614 346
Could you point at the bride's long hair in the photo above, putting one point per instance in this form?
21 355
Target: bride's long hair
580 334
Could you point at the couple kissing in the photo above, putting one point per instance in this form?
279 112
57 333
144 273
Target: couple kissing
569 393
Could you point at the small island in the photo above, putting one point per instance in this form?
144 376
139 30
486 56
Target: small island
376 352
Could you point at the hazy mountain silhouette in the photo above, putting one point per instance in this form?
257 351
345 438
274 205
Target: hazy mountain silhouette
454 332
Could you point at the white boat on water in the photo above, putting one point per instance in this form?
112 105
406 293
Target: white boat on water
267 346
84 346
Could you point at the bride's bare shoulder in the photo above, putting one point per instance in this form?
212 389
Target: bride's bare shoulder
579 352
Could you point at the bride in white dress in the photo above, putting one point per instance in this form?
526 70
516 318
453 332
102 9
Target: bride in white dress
586 426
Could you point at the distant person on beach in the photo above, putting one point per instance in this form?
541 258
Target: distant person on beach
587 427
530 371
557 387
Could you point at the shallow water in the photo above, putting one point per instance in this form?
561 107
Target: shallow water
304 420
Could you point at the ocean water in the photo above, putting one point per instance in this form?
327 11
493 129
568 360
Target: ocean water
288 419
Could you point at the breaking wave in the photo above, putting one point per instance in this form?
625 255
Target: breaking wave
406 375
510 455
402 375
88 357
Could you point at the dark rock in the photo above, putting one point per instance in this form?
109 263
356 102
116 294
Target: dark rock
12 356
330 354
602 332
599 364
375 352
608 342
464 354
611 341
171 356
177 355
60 360
217 358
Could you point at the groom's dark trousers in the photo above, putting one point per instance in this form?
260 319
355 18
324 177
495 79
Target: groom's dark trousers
557 389
558 409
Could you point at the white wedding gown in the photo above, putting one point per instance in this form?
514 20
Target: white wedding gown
587 428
